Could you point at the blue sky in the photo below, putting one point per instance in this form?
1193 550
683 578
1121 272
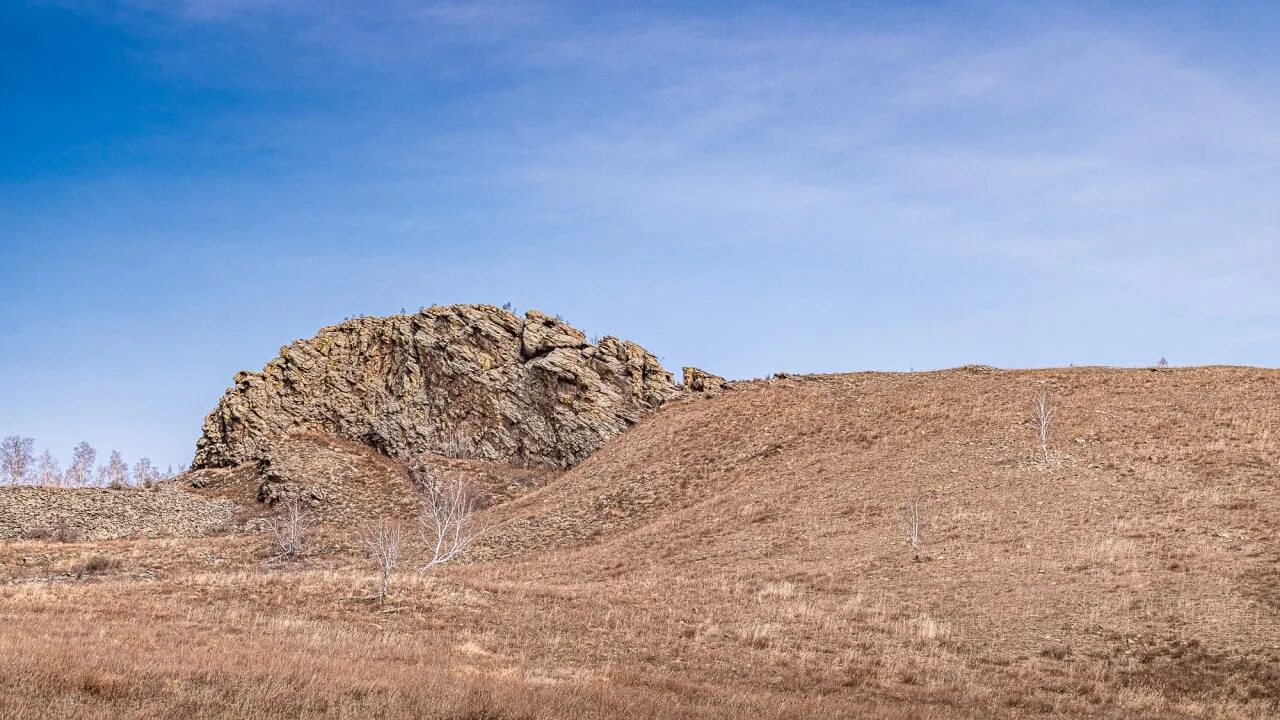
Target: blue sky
187 185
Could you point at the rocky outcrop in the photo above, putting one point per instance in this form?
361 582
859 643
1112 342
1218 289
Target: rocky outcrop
464 381
350 483
697 380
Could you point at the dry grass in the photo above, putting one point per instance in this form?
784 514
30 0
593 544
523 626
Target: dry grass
742 557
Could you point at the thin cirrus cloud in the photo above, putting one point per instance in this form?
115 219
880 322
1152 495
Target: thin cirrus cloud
1071 144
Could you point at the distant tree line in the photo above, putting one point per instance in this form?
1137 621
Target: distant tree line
20 466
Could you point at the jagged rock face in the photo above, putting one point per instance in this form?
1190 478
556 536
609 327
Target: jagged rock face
470 381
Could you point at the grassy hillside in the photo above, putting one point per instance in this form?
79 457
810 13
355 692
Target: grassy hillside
744 555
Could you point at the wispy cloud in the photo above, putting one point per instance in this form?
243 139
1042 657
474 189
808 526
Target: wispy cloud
1076 147
751 187
1082 147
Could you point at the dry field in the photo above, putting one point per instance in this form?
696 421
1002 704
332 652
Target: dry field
743 556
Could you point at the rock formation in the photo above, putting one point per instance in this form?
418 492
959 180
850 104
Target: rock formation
698 380
467 381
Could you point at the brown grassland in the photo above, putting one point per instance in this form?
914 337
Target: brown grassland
741 556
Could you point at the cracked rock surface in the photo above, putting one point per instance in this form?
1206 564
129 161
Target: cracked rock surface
465 381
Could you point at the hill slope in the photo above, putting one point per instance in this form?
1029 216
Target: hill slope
1147 543
741 555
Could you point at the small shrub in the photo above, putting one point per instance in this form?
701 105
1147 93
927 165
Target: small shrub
384 541
1042 412
290 529
913 528
38 533
1056 652
103 685
60 532
759 635
779 591
94 565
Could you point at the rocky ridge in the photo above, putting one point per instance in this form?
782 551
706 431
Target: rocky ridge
462 381
104 514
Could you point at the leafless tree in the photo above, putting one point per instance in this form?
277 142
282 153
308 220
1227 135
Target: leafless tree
448 522
48 473
80 472
1042 416
15 458
117 471
384 541
145 474
913 527
290 529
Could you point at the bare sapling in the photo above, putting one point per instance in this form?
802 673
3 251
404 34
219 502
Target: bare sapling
384 542
80 473
913 528
1042 417
117 471
290 529
49 474
448 522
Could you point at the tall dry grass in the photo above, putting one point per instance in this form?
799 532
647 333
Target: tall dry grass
741 557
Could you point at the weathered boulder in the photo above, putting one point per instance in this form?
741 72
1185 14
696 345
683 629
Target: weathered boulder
697 380
467 381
